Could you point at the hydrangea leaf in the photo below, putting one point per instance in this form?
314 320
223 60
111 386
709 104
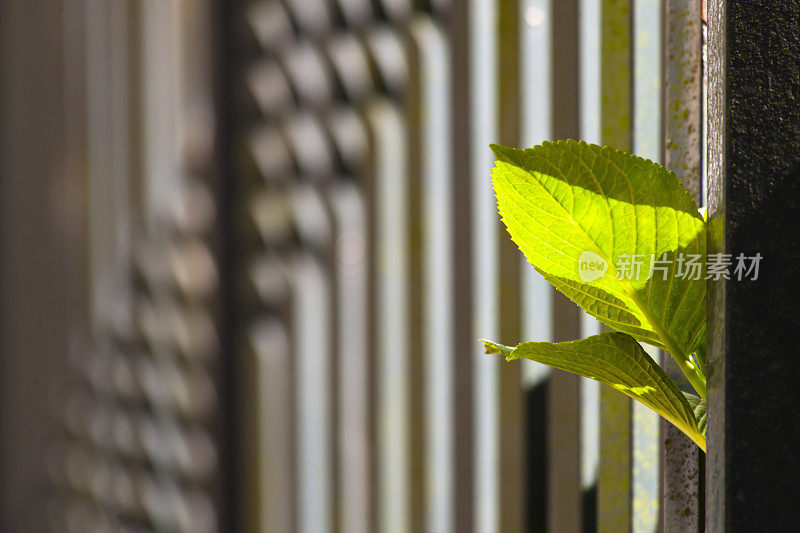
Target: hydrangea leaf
615 233
617 360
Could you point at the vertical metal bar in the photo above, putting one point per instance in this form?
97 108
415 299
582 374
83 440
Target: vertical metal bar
159 94
590 436
590 106
108 175
614 480
591 73
614 483
392 306
416 228
463 269
351 271
536 31
683 132
683 483
335 369
717 147
368 184
265 390
511 414
536 27
754 191
565 67
683 93
564 437
393 402
616 76
41 196
437 285
483 103
646 41
646 467
236 508
563 396
310 338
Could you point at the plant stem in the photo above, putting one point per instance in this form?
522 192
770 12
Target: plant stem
701 358
692 372
694 375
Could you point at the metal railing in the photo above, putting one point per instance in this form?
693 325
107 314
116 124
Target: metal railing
366 126
248 247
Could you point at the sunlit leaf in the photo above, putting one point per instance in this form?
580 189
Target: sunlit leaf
617 360
585 216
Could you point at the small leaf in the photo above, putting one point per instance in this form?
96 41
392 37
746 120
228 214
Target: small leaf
581 212
698 406
617 360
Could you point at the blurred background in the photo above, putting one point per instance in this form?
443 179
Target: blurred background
247 247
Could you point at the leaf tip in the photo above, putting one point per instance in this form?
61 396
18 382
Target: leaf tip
501 153
490 347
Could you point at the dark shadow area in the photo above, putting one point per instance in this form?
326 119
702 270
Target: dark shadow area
589 509
536 477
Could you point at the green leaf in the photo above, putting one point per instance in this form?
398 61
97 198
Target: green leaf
698 406
580 212
617 360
